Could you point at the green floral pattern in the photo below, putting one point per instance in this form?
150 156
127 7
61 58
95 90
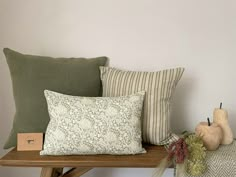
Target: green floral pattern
93 125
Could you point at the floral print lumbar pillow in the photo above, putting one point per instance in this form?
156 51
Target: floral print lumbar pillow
93 125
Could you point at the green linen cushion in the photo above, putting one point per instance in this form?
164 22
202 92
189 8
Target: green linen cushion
93 125
159 87
31 75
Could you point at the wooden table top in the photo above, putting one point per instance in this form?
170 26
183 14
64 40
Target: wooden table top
32 159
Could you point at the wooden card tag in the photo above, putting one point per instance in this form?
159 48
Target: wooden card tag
29 141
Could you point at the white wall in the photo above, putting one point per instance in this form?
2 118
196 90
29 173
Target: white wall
138 35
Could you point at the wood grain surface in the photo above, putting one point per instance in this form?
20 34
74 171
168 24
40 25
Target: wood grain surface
32 159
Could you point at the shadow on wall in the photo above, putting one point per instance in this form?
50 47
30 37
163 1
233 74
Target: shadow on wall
179 121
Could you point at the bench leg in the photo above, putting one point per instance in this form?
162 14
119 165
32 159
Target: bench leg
51 172
76 172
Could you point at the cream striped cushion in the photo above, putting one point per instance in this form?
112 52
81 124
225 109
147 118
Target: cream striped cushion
159 87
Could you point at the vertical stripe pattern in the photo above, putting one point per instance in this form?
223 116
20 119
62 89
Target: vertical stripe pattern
159 87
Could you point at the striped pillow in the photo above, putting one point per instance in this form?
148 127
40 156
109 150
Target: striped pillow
159 87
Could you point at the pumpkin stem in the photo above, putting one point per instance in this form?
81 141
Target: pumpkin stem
208 120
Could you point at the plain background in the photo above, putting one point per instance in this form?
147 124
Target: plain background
147 35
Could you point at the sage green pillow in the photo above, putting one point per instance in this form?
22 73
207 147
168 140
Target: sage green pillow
31 75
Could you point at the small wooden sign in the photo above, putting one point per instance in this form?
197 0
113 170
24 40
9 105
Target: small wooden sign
29 141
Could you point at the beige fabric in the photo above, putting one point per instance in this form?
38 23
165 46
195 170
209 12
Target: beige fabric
159 87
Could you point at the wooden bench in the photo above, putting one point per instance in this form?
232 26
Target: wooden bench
52 166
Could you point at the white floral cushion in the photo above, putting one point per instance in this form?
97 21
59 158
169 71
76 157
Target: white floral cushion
93 125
